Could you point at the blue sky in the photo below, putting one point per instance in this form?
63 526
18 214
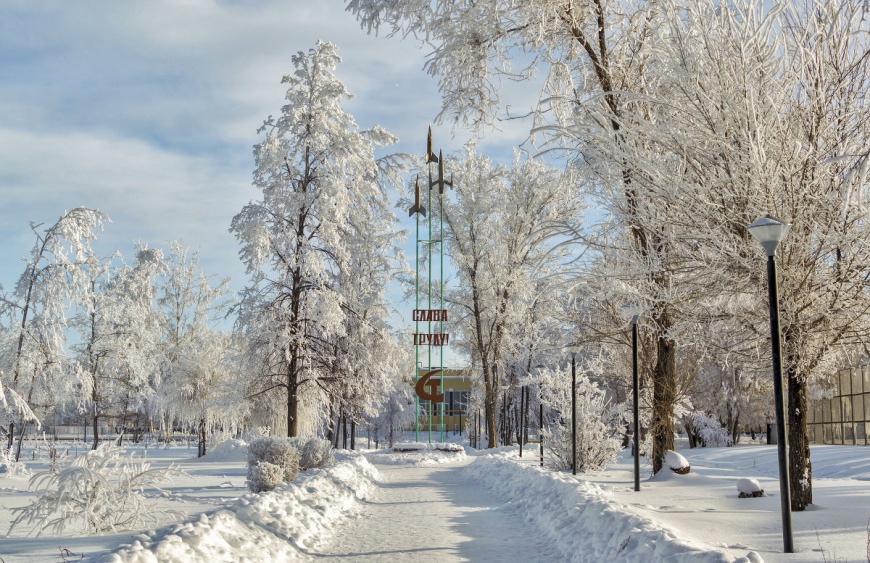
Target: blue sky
148 111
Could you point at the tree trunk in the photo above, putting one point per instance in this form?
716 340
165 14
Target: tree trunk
664 395
491 430
344 431
20 441
353 433
292 400
800 467
330 431
96 432
11 437
735 429
136 436
201 450
691 435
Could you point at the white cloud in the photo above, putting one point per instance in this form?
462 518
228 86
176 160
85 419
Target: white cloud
151 194
149 110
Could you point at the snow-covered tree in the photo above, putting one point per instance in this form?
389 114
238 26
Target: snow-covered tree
34 366
116 349
206 388
501 256
598 420
317 174
190 304
367 358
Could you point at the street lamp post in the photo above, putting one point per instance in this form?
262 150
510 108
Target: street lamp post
573 416
538 369
770 231
504 420
524 380
632 312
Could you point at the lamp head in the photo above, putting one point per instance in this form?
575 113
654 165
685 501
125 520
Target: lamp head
769 231
573 349
632 312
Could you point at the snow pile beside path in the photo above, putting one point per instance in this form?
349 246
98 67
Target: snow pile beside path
580 520
228 450
422 458
277 525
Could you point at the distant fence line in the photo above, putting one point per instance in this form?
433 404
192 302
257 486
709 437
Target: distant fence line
843 419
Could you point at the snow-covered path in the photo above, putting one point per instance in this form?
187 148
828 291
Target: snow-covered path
434 514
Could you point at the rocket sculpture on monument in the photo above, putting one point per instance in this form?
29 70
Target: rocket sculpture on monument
429 385
418 206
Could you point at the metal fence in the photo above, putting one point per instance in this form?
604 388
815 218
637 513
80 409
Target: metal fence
845 418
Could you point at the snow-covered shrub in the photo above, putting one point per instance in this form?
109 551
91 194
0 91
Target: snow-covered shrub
710 431
315 452
598 427
279 452
677 463
100 489
9 467
264 476
748 487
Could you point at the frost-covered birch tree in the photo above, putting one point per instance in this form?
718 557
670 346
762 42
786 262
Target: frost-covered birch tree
317 173
206 389
35 313
501 255
190 304
117 335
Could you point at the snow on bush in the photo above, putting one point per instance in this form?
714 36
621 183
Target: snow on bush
711 432
748 487
101 490
264 455
9 467
677 463
313 452
273 526
598 426
264 476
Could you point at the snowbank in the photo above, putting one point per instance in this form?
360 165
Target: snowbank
421 458
228 450
277 525
582 521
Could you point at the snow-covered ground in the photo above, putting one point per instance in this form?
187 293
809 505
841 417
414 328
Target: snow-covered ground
478 506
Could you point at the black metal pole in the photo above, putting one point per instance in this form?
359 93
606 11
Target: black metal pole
781 434
573 417
477 435
636 386
504 424
522 416
541 427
